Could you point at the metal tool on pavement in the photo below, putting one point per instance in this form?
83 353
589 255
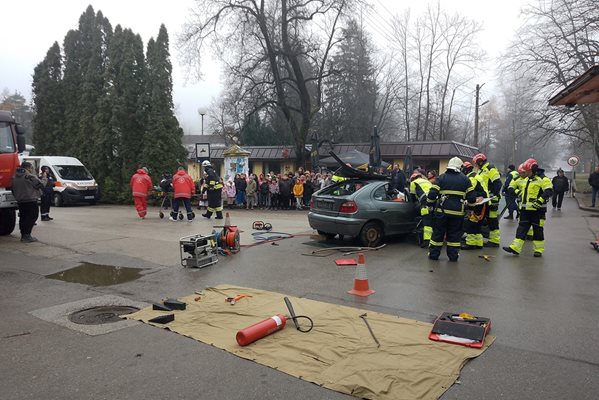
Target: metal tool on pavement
233 300
363 316
486 257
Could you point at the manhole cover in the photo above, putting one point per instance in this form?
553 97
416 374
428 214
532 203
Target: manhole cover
101 315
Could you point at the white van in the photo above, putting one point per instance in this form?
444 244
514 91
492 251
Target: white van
74 183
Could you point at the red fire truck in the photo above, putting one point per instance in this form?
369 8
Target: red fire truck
12 142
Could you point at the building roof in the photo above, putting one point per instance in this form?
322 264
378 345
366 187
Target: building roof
584 90
259 152
389 150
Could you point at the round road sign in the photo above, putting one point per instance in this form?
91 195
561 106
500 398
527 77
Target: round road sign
573 161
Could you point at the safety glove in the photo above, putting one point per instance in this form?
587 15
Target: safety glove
537 204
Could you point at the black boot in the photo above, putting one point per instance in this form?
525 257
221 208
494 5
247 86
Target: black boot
27 238
207 215
219 215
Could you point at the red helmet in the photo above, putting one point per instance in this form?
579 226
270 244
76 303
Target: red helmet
480 157
467 165
415 175
531 163
522 168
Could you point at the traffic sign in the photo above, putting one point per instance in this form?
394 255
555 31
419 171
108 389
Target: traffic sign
573 161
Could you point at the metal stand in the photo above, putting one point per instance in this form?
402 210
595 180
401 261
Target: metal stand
198 251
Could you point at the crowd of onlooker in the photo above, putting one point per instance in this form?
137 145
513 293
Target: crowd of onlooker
283 191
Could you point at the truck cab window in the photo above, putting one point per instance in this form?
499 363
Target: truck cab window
7 144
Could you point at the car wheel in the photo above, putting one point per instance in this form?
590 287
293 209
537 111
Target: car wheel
57 200
371 234
328 236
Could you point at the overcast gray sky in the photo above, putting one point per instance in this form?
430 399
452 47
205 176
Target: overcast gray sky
30 27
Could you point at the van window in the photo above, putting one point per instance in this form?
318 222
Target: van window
7 144
73 172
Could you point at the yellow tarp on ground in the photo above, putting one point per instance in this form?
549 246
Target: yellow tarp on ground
339 353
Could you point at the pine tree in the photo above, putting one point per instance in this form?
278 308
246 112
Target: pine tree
48 104
351 92
162 147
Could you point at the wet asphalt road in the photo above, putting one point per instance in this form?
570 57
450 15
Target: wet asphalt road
545 312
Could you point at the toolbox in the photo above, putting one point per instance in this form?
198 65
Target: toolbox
452 328
198 251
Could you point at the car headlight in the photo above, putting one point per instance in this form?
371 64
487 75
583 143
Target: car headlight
71 185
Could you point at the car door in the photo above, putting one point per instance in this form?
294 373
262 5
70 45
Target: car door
398 214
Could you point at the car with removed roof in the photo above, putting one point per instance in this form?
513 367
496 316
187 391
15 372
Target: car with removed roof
364 208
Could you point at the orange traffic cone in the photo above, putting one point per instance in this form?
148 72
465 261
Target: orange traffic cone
227 219
361 280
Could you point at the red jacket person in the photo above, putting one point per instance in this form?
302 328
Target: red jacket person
141 186
183 187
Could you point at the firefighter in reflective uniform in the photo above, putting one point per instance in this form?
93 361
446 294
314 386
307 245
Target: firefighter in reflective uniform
541 174
474 218
215 188
446 197
419 188
535 192
491 181
509 199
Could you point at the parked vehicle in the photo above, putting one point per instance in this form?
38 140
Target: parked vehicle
363 208
74 183
12 141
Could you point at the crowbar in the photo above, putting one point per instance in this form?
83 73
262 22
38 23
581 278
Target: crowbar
363 316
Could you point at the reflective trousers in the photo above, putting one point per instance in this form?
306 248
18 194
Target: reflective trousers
446 226
530 219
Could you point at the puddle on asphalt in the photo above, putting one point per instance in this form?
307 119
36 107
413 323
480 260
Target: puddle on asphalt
97 275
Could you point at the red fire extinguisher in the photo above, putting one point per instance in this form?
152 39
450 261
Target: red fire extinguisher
261 329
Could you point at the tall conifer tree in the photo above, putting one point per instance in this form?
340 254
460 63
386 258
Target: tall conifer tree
163 149
48 104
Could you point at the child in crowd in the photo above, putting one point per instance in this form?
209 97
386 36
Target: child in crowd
298 192
273 191
230 193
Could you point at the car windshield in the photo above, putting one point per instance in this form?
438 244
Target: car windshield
344 188
7 144
73 172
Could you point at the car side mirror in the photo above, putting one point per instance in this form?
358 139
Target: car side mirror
21 143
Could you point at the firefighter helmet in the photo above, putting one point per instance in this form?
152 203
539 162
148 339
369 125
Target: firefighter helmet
467 167
206 163
522 168
480 157
531 164
455 163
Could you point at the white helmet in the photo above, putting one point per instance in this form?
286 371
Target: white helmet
455 163
206 163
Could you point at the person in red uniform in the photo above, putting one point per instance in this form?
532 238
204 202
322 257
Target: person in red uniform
183 187
141 186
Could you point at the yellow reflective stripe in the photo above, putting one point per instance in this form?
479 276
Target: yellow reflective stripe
433 243
454 244
471 188
456 192
435 187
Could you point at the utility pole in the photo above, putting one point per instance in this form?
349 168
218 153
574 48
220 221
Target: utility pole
476 107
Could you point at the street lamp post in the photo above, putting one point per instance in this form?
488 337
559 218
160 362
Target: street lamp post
476 107
202 112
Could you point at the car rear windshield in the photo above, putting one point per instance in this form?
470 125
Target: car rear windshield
344 188
73 172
